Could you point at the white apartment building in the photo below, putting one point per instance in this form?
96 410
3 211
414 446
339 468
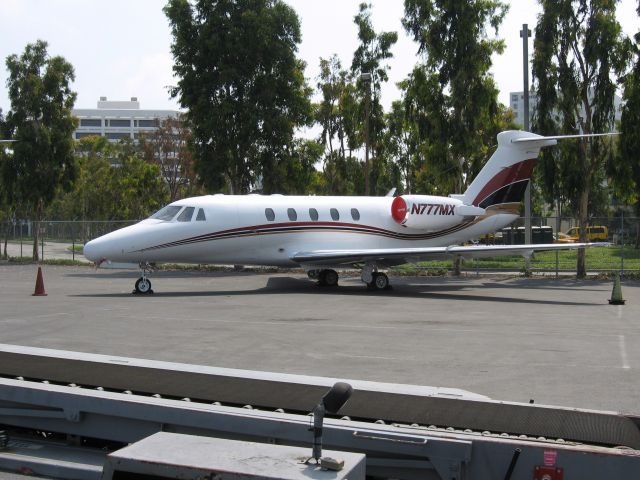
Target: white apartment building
516 102
118 119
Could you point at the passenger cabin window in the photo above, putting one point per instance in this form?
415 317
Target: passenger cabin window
166 213
268 212
313 214
201 217
355 214
292 214
334 214
186 214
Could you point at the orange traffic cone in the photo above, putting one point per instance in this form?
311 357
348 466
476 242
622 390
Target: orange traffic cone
39 285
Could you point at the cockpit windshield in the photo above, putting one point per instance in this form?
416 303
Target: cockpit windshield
166 213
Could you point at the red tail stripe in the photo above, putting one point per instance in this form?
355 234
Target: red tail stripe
514 173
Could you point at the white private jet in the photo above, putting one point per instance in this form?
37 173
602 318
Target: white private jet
323 234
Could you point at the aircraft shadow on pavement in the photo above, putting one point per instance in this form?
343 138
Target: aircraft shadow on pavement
292 285
544 284
132 274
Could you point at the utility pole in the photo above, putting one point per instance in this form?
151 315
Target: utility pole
366 78
525 34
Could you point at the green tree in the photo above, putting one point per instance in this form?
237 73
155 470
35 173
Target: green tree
242 85
295 173
400 144
4 201
334 85
461 105
114 182
369 57
425 111
140 188
578 50
341 120
625 173
40 120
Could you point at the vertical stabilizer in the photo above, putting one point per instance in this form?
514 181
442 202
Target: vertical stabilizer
505 176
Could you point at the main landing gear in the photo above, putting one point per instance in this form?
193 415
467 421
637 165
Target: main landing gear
329 278
143 284
375 280
380 281
326 277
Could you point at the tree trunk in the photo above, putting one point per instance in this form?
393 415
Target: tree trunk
36 229
581 266
457 263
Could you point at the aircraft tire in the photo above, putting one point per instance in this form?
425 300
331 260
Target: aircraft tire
143 285
380 281
328 278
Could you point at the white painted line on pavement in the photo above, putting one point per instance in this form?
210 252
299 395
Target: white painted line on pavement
623 352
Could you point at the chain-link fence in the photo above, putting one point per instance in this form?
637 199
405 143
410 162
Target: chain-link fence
622 232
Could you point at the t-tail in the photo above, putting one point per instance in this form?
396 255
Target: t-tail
504 178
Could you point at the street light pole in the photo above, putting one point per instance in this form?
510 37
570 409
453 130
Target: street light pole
366 78
525 34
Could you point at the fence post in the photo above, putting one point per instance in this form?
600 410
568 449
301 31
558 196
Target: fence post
558 223
622 243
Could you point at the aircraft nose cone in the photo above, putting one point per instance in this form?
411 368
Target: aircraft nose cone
92 251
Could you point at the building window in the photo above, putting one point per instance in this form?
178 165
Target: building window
119 123
334 214
292 214
355 214
201 217
186 214
147 123
91 122
313 214
117 135
268 212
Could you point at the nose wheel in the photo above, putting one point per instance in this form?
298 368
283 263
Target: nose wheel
143 285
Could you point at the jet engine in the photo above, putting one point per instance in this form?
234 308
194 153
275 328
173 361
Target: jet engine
427 212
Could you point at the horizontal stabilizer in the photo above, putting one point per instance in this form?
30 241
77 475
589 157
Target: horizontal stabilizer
561 137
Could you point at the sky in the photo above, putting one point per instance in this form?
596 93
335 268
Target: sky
121 48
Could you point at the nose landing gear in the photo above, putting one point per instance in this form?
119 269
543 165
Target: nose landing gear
143 284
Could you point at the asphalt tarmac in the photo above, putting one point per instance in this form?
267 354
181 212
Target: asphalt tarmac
558 342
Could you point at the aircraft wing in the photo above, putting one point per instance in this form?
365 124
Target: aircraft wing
397 256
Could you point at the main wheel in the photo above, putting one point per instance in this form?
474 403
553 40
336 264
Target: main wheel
380 281
143 285
328 278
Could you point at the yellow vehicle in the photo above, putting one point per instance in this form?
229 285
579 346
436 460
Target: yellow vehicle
595 233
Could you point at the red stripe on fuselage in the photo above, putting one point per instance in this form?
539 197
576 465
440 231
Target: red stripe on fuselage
514 173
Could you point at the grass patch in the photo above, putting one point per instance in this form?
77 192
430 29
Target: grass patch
51 261
598 259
